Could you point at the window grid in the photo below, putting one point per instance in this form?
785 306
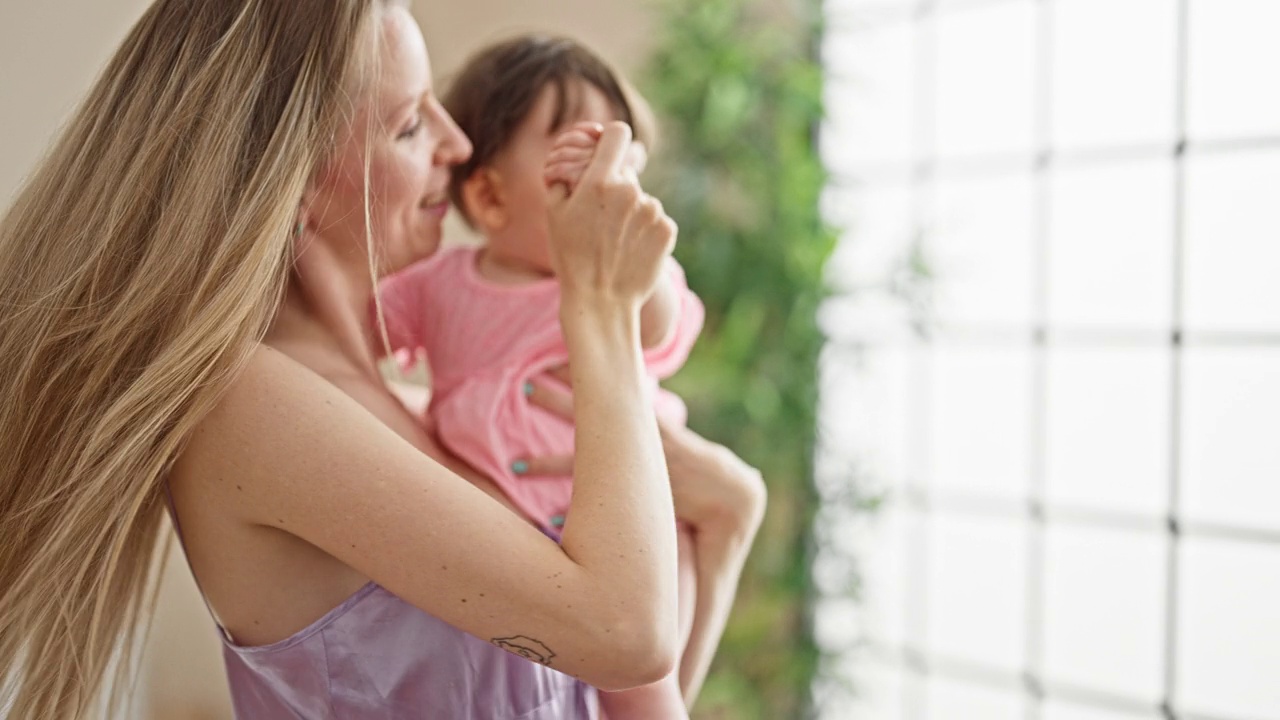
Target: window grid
921 174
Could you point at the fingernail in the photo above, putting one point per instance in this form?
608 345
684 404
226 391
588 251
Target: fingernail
520 467
527 389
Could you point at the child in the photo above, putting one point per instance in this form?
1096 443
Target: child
488 317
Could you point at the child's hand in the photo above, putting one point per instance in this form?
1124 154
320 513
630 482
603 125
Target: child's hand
609 240
555 399
573 151
712 488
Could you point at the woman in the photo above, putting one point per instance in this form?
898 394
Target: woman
184 285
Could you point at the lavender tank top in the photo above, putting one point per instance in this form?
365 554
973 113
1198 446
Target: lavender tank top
376 657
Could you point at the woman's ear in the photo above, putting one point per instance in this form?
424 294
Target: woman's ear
484 200
305 206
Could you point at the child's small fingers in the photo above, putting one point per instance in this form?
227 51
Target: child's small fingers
558 190
564 169
549 466
562 185
575 139
569 154
570 172
552 399
562 374
579 137
590 128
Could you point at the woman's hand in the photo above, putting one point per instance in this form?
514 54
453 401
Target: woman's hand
573 150
608 238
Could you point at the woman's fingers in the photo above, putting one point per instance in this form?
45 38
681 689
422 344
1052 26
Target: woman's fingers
611 152
637 157
658 227
577 139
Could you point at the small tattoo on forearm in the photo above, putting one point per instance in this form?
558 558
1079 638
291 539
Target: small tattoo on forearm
527 648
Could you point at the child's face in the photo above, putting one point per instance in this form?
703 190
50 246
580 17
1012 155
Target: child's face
519 169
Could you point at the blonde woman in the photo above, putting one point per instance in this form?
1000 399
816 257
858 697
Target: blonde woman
184 287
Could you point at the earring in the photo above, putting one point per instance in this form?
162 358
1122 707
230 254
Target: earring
297 229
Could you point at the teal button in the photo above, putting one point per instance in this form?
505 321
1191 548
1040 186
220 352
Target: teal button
557 520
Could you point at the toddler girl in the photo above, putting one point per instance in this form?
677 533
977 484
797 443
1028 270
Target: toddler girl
488 317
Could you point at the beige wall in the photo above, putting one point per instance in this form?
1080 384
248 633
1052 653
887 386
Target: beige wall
619 30
50 52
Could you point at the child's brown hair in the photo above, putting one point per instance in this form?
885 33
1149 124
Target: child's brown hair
497 88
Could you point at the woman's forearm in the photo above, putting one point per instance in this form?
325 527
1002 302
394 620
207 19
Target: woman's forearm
621 524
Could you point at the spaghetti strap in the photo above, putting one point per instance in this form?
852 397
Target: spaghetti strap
177 530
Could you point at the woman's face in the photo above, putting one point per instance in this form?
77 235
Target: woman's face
408 142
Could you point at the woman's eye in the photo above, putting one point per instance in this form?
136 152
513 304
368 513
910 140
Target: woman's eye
407 134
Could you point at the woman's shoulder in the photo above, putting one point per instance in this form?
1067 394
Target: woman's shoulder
291 376
278 414
267 383
270 374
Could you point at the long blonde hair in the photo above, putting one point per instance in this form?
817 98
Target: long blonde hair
138 267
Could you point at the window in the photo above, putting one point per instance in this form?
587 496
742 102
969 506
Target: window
1079 452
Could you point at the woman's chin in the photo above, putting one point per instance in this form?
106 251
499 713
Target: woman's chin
419 250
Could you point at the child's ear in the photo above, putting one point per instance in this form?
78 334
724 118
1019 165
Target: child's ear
484 198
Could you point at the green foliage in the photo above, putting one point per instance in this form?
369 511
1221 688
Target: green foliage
738 93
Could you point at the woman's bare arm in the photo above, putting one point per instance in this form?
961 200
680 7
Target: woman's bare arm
286 449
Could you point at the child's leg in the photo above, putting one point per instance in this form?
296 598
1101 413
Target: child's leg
662 700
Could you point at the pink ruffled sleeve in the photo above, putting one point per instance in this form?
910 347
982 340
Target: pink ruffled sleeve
403 304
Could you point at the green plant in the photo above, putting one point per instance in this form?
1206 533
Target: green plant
738 92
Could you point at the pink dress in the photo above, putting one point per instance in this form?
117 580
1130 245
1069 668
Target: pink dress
484 341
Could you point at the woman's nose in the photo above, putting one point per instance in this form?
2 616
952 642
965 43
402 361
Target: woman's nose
454 147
